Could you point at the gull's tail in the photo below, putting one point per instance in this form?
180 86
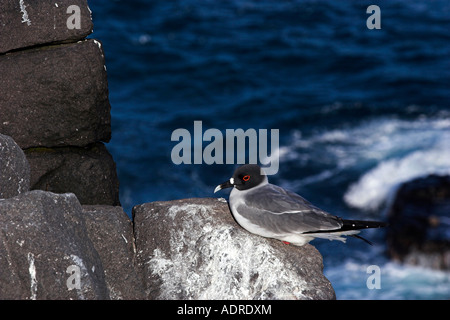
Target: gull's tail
361 224
349 228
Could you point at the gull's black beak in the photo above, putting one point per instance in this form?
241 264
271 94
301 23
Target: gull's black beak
226 184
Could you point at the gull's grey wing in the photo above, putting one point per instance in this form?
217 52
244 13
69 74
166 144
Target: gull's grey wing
274 208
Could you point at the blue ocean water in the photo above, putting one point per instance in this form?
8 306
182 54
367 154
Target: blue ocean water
358 111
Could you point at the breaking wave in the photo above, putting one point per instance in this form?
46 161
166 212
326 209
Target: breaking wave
382 152
412 150
396 281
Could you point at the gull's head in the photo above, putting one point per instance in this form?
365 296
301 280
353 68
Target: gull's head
245 177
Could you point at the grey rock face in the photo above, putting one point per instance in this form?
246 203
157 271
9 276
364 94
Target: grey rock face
14 169
38 22
111 232
182 249
43 243
54 104
54 99
55 95
89 173
193 249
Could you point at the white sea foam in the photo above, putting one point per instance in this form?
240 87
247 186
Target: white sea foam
424 149
397 281
375 186
393 150
384 152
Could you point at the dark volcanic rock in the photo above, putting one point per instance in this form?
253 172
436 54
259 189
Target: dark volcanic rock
111 231
419 220
89 173
54 104
38 22
55 95
193 249
43 238
14 169
189 249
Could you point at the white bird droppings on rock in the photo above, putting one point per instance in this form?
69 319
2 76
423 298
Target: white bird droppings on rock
206 255
33 280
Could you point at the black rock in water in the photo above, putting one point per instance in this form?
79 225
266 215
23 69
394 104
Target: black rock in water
419 223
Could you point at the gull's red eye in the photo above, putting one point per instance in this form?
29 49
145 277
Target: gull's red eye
246 178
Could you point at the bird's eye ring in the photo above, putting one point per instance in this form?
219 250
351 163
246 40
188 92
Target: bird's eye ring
246 178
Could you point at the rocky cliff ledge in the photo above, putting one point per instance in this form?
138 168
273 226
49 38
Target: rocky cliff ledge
63 234
193 249
52 247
